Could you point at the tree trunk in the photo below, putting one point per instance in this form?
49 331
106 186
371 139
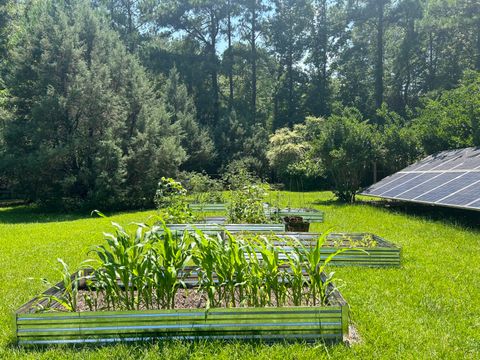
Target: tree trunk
379 55
230 57
214 71
323 38
431 62
254 61
477 64
290 87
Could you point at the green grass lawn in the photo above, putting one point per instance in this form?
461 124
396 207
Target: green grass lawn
428 309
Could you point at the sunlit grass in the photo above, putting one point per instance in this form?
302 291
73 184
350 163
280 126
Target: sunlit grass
429 308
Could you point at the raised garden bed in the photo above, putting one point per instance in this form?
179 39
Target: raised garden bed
374 250
204 207
305 323
210 228
310 215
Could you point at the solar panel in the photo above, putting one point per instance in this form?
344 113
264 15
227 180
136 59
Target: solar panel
448 178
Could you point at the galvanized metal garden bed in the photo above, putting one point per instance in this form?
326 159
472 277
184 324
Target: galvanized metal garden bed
210 228
304 323
310 215
383 254
207 207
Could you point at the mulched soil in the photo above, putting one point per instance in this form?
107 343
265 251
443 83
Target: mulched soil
184 299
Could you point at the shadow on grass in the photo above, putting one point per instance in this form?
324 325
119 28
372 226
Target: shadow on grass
189 347
31 214
26 214
451 216
330 202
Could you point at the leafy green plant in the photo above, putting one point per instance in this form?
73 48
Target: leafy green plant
170 200
68 292
171 254
247 205
366 241
122 266
203 188
146 269
315 266
205 255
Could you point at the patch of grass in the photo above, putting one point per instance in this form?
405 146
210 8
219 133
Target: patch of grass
427 309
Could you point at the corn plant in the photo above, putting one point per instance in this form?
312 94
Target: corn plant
314 266
122 267
171 255
294 275
255 284
67 294
271 264
205 255
231 269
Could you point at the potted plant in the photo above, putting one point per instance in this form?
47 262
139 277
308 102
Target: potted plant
296 224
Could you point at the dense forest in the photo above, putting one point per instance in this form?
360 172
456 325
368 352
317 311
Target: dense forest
99 99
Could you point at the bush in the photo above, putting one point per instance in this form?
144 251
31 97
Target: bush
170 199
289 154
347 146
247 205
452 119
237 176
202 187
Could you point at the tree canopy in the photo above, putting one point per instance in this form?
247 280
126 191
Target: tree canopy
100 99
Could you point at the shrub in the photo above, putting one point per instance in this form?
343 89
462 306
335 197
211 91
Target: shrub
347 146
451 119
170 199
237 175
247 205
203 188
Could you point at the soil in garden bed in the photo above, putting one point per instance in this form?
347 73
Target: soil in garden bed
184 299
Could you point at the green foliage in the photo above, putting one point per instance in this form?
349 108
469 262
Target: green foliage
247 205
170 200
67 296
399 140
87 128
141 270
450 120
289 151
383 302
182 112
145 271
310 258
237 175
347 146
203 188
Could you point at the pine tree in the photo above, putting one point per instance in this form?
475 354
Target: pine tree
80 103
182 113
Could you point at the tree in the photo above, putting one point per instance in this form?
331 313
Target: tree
125 16
286 148
400 145
408 57
319 92
182 113
347 146
287 35
451 119
251 28
83 113
201 21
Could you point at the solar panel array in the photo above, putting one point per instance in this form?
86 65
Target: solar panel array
449 178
